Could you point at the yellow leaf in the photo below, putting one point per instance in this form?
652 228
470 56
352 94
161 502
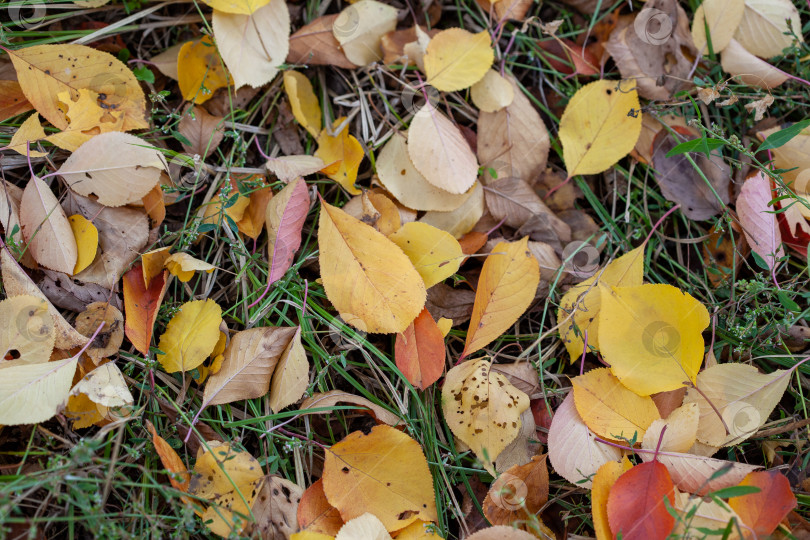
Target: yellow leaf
482 409
650 335
384 473
45 71
200 71
722 17
30 334
86 236
584 301
303 101
184 265
419 530
456 59
86 119
190 336
764 30
435 254
107 390
681 430
346 151
360 27
492 93
444 325
33 393
356 263
291 376
26 135
230 479
609 409
153 263
506 288
243 7
604 479
253 46
310 535
597 129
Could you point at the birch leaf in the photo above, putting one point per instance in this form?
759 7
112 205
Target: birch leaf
33 393
46 228
758 220
303 101
360 27
291 375
435 254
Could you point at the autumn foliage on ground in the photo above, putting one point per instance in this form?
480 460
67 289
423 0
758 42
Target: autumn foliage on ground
375 270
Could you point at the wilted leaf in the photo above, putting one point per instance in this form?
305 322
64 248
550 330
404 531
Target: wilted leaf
482 408
203 130
355 267
291 376
110 337
636 507
253 45
651 336
190 336
764 511
28 333
456 59
514 202
609 409
275 508
314 44
385 473
506 288
46 228
596 130
284 218
758 220
518 494
419 351
303 101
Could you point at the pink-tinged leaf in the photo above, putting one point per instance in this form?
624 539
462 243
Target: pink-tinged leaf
758 220
636 505
285 217
419 351
764 511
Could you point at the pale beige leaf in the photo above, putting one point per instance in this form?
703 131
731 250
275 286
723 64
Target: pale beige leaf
492 93
482 408
722 17
704 514
440 152
333 397
744 396
397 174
288 168
681 430
118 168
513 141
166 61
253 46
573 450
515 202
46 228
10 197
250 360
749 69
461 220
691 472
33 393
501 532
105 386
763 30
27 334
276 507
24 139
17 282
365 527
360 27
291 376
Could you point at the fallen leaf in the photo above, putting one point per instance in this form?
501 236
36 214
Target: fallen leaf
12 100
107 391
289 168
303 101
45 71
110 337
636 507
440 152
384 473
456 59
764 511
24 139
31 337
86 236
200 72
315 514
492 93
180 476
118 168
513 141
701 475
748 69
765 27
596 129
253 46
482 408
203 130
10 197
435 254
33 393
758 220
355 261
241 7
518 494
343 150
445 302
46 228
314 44
697 514
513 202
573 450
522 447
291 376
333 397
182 265
501 532
609 409
360 27
506 288
419 351
603 482
461 220
679 430
721 17
667 324
419 530
364 527
190 336
284 217
744 396
230 480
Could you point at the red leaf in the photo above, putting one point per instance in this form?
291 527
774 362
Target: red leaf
636 503
764 511
419 351
141 306
286 213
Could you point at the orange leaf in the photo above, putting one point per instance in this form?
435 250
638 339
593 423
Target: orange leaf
315 514
636 506
170 460
764 511
419 351
141 306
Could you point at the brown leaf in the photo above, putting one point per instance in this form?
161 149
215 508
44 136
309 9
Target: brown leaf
111 335
275 508
314 44
519 493
203 130
333 397
512 200
445 301
66 293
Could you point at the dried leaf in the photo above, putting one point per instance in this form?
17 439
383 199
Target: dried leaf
203 130
461 220
333 397
758 220
518 494
291 376
110 337
492 93
33 393
284 217
343 151
190 336
750 70
512 201
46 228
681 430
456 59
698 514
364 527
314 44
721 17
275 508
764 511
419 351
692 472
28 335
360 27
315 514
180 476
764 30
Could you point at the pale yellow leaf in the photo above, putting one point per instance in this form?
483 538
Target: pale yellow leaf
764 29
291 375
26 135
46 228
360 27
492 93
699 514
33 393
692 472
749 69
288 168
456 59
681 430
27 334
461 220
364 527
722 17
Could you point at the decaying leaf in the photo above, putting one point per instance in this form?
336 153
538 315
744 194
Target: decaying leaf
284 218
360 27
46 228
518 493
275 508
333 397
28 333
758 220
109 338
314 44
419 351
